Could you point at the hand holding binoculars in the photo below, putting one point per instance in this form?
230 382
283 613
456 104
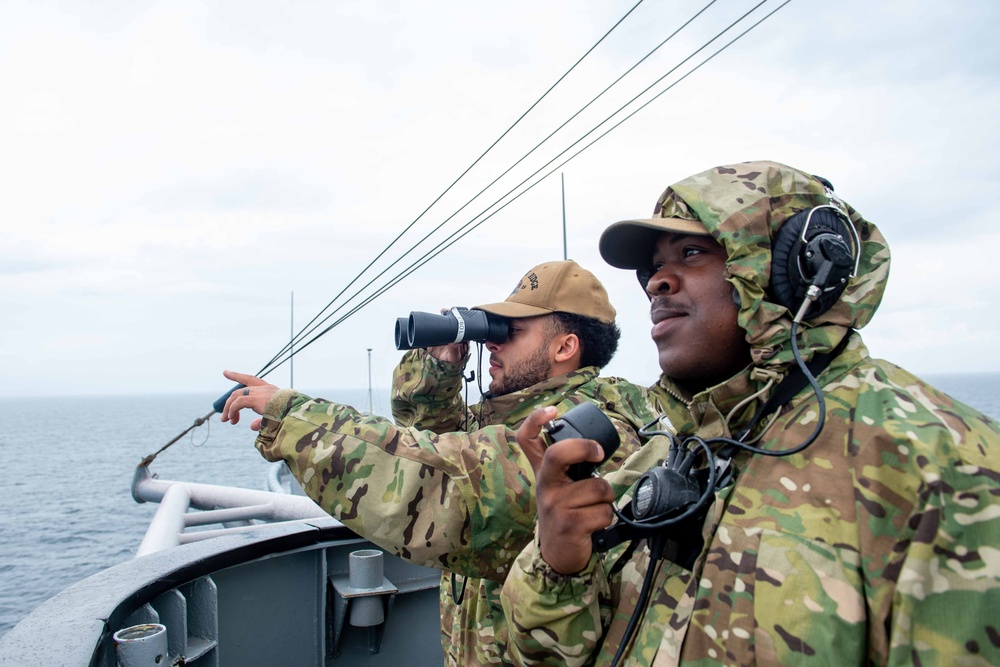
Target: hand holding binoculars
458 325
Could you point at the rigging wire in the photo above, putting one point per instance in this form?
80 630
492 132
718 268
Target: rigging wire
472 224
303 333
446 190
290 346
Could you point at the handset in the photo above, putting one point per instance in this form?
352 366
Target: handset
220 402
585 421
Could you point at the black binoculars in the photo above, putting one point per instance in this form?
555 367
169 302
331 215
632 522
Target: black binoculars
458 325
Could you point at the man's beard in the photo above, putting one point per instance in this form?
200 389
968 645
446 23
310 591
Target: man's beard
518 376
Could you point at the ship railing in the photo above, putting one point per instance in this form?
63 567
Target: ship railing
236 509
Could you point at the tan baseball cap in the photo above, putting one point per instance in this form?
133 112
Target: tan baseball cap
556 287
629 244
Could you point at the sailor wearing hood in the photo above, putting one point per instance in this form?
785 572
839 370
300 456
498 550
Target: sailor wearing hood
853 523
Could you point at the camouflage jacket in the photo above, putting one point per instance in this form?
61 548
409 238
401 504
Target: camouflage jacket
857 551
427 394
876 545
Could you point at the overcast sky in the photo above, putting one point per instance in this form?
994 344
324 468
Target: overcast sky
170 172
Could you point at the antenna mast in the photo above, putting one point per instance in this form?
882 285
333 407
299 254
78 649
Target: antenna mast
371 405
562 178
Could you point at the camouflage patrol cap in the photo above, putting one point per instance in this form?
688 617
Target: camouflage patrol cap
629 244
556 287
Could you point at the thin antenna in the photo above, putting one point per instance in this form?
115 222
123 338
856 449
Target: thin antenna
562 178
291 344
371 406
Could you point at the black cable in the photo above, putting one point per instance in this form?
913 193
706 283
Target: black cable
701 503
460 595
455 237
633 620
710 487
479 382
469 226
820 422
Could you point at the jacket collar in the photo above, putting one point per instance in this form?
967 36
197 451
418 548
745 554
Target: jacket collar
707 413
514 407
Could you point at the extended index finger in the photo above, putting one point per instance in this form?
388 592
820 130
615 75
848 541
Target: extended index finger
230 412
244 378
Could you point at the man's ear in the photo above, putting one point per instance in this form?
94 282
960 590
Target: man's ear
568 347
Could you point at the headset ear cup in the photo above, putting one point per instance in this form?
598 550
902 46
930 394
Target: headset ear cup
788 285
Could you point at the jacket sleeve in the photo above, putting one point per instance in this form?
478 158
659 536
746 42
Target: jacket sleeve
427 393
948 574
554 619
561 620
458 501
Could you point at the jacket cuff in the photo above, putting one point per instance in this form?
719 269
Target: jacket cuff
443 370
555 583
277 409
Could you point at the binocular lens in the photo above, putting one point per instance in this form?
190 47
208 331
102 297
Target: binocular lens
402 333
459 325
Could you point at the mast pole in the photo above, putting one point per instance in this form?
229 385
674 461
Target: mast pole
371 406
562 178
291 343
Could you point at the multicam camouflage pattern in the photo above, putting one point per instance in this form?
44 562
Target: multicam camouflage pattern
879 544
427 395
457 501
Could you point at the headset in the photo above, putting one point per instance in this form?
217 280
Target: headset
810 252
814 254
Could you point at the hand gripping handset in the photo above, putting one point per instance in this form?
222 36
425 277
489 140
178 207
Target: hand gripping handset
585 421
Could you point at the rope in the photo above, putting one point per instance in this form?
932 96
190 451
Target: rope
197 422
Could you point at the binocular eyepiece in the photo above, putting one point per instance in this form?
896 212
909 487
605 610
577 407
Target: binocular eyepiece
458 325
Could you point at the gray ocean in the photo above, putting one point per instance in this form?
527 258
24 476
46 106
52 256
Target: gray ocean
66 511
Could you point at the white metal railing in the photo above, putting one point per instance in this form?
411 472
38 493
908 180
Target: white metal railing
234 507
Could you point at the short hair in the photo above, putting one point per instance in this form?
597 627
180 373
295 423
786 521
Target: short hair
598 340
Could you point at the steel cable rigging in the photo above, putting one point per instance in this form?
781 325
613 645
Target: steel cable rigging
486 213
302 333
296 345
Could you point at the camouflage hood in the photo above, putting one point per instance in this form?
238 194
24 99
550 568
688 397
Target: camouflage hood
743 206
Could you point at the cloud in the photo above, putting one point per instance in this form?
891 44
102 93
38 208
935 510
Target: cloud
172 171
262 190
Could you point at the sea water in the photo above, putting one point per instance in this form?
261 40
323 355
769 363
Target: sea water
66 510
66 507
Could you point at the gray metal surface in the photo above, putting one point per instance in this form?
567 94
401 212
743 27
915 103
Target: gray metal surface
142 645
260 597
